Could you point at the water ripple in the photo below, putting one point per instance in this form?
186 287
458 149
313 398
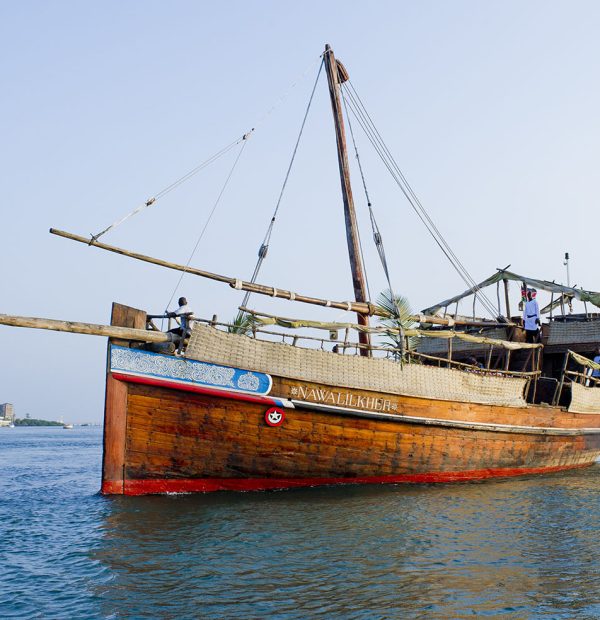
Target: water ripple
523 548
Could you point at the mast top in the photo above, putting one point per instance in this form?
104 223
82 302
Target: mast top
342 72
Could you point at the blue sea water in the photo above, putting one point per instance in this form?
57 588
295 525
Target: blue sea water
520 548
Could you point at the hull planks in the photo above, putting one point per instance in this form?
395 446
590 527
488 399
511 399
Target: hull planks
165 434
163 439
174 441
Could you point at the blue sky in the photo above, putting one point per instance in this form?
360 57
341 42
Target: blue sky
490 108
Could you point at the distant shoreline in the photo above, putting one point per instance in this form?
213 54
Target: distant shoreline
35 422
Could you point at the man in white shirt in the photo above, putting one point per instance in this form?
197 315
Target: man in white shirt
184 313
531 316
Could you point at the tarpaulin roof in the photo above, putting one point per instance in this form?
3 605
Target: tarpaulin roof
502 274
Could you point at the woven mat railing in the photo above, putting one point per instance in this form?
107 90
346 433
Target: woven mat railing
373 374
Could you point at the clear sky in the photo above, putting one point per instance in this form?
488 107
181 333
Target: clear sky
490 108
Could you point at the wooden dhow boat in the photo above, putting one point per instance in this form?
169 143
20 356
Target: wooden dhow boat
224 408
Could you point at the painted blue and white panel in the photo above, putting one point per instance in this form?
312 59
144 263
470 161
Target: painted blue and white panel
155 365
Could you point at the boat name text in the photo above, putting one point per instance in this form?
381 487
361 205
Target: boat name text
343 399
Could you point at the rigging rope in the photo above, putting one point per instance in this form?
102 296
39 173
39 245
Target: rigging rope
417 205
208 219
210 160
264 248
360 247
172 186
283 97
377 238
366 123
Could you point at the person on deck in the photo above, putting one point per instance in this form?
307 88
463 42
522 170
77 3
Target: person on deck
531 316
596 373
473 361
184 314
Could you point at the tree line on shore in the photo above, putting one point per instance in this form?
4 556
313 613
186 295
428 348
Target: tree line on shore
35 422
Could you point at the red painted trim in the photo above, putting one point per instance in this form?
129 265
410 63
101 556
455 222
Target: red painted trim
112 487
203 485
198 389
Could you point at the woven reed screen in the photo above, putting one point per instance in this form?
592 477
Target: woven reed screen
584 399
211 345
572 332
435 346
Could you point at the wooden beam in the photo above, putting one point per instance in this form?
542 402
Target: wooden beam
115 406
362 308
91 329
506 298
415 318
126 316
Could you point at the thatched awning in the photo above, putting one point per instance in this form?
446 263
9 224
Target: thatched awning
502 274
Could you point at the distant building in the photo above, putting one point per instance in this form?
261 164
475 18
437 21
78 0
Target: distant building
7 414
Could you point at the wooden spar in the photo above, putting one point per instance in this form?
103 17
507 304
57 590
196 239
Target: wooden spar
506 298
362 308
358 280
91 329
415 318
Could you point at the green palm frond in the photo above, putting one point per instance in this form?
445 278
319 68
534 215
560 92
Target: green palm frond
242 324
396 308
397 313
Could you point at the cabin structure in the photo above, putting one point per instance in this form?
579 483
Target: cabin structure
562 330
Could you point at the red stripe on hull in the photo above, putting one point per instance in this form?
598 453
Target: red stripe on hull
197 389
112 487
205 485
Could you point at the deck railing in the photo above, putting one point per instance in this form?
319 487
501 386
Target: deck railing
582 376
346 346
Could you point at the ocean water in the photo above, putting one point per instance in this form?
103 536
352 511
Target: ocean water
520 548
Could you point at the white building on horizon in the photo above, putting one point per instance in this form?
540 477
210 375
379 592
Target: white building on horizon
7 414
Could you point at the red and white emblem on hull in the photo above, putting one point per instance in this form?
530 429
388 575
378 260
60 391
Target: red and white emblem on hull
274 416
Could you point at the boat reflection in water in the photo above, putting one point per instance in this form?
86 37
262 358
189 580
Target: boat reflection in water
517 548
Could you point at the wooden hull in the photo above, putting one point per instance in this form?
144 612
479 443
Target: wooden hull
171 437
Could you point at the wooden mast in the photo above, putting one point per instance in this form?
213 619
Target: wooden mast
335 71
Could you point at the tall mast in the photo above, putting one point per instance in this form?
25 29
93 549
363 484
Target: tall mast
336 74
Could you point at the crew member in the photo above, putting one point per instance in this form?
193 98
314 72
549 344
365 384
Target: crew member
531 316
184 314
473 361
596 373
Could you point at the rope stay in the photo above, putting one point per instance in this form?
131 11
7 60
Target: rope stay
377 238
386 156
210 160
366 194
173 185
284 95
365 121
206 223
264 247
